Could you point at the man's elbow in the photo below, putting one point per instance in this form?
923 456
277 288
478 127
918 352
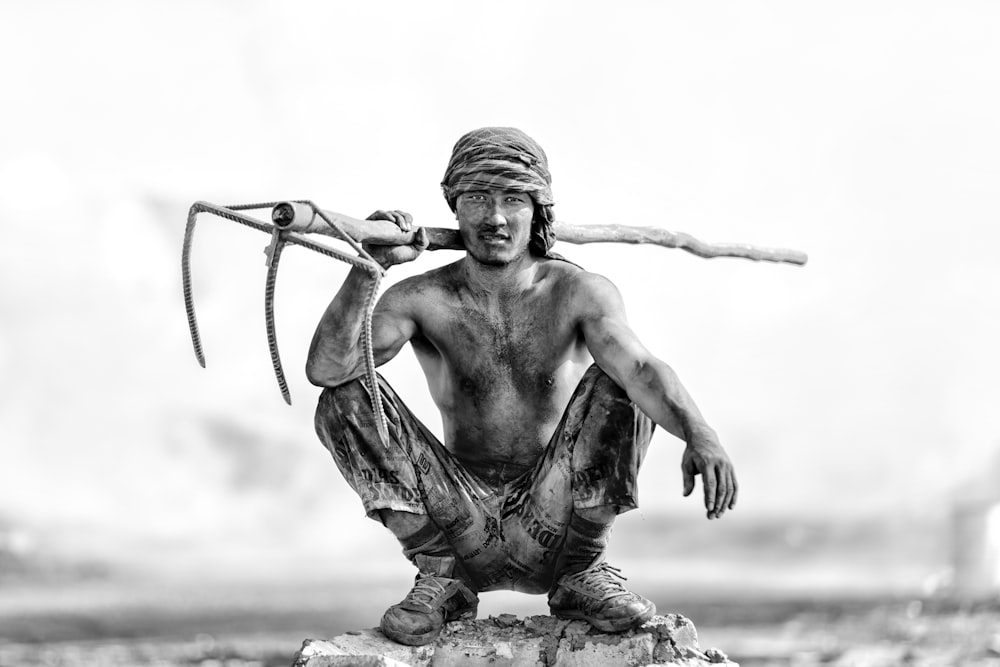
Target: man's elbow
649 371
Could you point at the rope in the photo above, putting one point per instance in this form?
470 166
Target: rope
363 261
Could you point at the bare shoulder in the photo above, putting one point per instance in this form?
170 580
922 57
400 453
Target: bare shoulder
416 293
586 290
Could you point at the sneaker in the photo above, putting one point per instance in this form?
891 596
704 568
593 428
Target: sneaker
435 599
596 595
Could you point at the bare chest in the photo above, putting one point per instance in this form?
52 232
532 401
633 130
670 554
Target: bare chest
514 354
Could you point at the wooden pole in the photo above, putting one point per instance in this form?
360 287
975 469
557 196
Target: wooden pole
293 216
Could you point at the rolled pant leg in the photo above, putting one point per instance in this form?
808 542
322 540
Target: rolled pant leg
415 473
383 477
592 460
609 436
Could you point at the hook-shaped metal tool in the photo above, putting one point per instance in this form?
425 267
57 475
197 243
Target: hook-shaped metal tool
279 238
273 252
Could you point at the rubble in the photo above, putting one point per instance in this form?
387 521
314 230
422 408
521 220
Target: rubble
505 640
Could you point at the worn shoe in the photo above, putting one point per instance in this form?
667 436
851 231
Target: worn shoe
596 595
435 599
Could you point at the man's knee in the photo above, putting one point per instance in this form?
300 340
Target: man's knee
611 417
604 396
610 443
348 408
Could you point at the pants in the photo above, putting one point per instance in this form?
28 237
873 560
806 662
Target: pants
505 533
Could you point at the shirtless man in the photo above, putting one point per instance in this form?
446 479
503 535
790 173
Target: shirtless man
547 400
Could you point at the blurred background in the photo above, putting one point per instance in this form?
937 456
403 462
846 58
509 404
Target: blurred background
142 496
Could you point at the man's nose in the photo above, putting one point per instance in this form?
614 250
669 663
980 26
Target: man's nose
496 214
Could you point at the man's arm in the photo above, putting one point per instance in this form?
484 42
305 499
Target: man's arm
656 389
336 354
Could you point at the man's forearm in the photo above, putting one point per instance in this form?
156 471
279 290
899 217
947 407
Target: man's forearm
334 352
657 390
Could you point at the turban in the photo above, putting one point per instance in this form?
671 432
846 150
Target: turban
504 158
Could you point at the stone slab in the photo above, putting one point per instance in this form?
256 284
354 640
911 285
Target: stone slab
507 641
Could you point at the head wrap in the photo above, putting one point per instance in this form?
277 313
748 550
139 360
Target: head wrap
504 158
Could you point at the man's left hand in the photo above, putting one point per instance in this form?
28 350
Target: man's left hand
706 457
390 255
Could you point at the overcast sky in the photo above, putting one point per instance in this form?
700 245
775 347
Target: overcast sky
863 133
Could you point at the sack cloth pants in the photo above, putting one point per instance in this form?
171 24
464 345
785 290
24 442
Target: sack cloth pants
505 526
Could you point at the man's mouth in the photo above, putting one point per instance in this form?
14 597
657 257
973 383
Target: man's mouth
487 236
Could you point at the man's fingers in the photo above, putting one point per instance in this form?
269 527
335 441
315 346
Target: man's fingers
688 481
709 482
730 500
421 239
724 494
402 219
736 490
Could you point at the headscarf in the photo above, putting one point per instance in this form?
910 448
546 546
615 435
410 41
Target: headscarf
505 158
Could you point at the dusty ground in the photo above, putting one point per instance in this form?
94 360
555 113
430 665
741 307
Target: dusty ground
54 613
885 634
772 632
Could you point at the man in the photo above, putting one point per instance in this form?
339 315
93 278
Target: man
547 401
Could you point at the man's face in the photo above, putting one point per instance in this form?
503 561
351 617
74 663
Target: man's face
495 224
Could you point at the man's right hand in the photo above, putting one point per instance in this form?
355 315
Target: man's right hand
388 255
705 456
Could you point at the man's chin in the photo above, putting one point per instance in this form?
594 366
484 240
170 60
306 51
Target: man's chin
493 259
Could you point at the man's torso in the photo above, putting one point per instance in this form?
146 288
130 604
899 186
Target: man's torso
501 370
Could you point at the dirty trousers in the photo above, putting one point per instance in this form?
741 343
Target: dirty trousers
507 528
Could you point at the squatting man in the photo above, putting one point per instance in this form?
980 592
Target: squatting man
548 401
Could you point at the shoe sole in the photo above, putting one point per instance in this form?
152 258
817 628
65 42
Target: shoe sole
428 637
613 625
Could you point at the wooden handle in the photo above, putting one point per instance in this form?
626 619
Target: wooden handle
293 216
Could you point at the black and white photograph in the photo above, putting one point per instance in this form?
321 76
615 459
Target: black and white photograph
528 333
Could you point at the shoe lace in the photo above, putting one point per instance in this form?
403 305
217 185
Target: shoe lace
425 590
605 578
